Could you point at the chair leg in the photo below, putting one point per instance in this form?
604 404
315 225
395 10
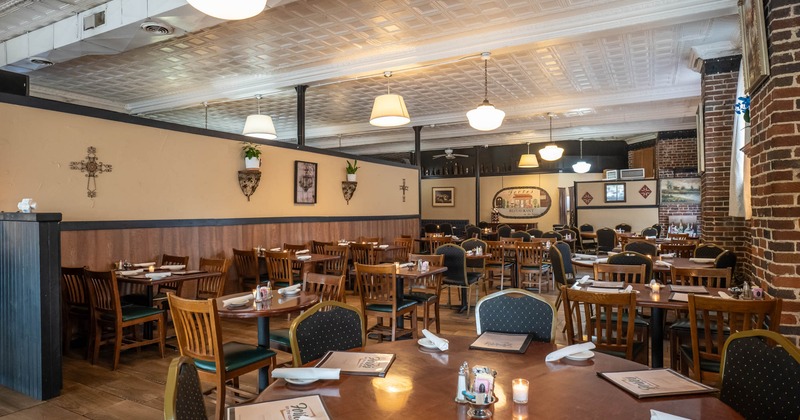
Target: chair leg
394 325
162 335
436 312
221 394
117 347
98 333
414 324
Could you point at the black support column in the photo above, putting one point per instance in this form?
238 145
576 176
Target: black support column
418 162
477 184
301 114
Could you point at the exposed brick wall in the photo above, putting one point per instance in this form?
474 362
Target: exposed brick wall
775 168
677 158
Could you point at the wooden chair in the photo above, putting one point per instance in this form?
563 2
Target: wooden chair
707 250
603 321
326 326
437 241
297 266
294 247
109 316
247 270
516 311
337 267
680 250
618 272
213 285
369 239
362 254
318 247
377 285
279 269
457 276
530 263
407 245
712 321
751 362
680 330
512 241
75 306
497 262
426 291
183 397
160 298
199 334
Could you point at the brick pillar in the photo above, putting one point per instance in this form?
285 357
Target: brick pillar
775 167
676 157
719 96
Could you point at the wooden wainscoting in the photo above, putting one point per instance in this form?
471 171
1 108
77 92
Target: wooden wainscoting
98 249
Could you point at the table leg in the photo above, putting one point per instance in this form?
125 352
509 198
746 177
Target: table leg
263 341
657 338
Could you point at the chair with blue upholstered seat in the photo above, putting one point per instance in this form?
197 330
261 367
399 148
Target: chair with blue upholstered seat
606 240
634 258
326 326
707 250
377 286
525 236
624 227
561 265
199 333
457 276
752 361
183 397
535 233
472 232
516 311
553 235
641 246
726 259
503 231
650 231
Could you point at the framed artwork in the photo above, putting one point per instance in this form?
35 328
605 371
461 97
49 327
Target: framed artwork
444 196
754 43
615 193
679 190
701 142
305 182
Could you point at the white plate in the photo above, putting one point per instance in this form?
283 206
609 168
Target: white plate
584 355
300 381
291 292
428 344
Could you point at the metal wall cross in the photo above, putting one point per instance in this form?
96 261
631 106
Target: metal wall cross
404 188
93 168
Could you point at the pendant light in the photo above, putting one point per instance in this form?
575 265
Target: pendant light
485 117
528 160
229 9
389 110
260 126
582 166
551 152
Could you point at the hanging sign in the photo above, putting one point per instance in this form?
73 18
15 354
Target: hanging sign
522 202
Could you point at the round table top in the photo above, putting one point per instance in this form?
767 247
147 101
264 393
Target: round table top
277 305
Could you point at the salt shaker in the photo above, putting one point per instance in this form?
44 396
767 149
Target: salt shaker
463 372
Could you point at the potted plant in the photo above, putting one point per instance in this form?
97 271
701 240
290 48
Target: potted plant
252 156
351 169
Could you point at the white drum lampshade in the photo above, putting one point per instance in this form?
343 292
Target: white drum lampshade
389 110
229 9
260 126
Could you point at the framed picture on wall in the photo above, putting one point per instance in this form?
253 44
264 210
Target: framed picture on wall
754 43
443 197
679 190
615 193
701 142
305 182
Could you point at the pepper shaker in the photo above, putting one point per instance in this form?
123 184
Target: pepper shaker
463 373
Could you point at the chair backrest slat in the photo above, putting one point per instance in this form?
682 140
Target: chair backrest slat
279 267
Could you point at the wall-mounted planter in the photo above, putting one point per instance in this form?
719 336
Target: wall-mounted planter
348 189
351 177
252 163
248 181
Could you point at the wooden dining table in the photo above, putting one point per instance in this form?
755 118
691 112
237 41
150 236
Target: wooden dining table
423 384
659 268
275 306
307 265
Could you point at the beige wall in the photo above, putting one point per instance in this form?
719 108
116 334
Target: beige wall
162 174
607 216
464 208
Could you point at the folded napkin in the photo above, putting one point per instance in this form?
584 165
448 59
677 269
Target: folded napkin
664 263
702 260
303 257
408 264
568 351
383 246
668 255
172 267
306 373
660 415
290 290
584 279
144 264
438 342
585 256
601 260
610 253
302 251
241 300
275 249
649 237
130 272
156 276
627 289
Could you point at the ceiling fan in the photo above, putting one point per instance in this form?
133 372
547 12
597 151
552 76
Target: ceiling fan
448 153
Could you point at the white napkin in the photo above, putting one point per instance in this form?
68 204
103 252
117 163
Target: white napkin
438 342
241 300
568 351
702 260
601 260
668 255
610 253
585 256
649 237
275 249
408 264
157 276
383 246
303 257
172 267
302 251
584 279
627 289
664 263
130 272
660 415
306 373
144 264
724 295
291 289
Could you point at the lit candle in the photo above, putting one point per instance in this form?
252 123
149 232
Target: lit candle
655 287
152 268
519 387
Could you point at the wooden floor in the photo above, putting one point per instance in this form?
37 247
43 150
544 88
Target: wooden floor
136 389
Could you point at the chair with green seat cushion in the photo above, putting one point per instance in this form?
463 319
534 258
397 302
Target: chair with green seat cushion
457 276
279 269
752 361
516 311
378 289
327 326
110 317
427 290
706 315
597 319
247 269
183 397
199 333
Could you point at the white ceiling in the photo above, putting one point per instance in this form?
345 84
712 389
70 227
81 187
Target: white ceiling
607 69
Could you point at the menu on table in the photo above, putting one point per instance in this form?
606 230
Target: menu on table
688 289
495 341
609 284
603 290
358 363
679 297
310 406
655 383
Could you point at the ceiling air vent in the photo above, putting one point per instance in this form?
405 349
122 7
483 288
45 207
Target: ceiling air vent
157 28
95 20
39 61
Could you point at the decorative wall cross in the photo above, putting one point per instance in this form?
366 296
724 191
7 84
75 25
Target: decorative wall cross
93 168
404 188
